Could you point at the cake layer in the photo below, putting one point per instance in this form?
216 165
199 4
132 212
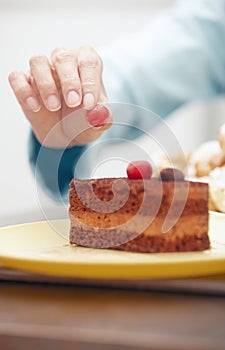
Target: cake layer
156 243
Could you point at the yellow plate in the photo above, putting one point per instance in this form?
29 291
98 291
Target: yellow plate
37 247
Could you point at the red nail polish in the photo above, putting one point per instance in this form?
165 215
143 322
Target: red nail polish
97 116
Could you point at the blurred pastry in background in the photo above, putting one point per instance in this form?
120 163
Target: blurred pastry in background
206 158
217 188
208 165
222 138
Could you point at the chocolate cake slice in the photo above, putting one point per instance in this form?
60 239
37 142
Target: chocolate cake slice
139 215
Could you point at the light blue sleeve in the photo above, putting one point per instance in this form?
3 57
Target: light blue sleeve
178 58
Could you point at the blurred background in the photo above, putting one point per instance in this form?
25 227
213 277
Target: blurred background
28 27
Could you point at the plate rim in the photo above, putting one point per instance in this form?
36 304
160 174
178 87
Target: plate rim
206 265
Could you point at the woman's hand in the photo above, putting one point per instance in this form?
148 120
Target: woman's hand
64 98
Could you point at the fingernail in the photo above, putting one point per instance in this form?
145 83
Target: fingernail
33 104
98 116
73 99
53 103
88 101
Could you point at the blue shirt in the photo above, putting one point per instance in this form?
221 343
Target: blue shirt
179 57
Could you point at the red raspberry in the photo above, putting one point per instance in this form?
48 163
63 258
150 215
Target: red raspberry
139 169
